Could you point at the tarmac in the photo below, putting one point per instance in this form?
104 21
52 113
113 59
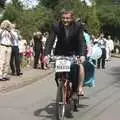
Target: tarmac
29 76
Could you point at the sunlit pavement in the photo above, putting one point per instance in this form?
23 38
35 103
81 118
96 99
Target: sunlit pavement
37 101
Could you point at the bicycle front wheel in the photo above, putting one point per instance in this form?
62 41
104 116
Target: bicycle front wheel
60 104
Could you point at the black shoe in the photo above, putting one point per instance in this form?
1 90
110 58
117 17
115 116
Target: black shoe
35 67
43 68
1 79
6 78
18 74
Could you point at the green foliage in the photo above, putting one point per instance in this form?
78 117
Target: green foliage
28 21
88 14
40 18
34 20
17 4
49 3
104 13
93 21
11 13
108 13
103 2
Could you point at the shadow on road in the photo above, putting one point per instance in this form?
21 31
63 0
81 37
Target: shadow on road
82 106
46 112
49 112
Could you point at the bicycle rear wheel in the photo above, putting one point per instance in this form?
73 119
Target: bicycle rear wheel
60 104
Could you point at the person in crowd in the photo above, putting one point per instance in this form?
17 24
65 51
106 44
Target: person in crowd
93 53
22 49
88 68
102 44
94 39
109 48
6 43
44 39
38 49
88 42
15 58
29 55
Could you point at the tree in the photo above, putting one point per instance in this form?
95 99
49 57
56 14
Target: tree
109 16
30 20
103 2
41 17
49 3
34 20
13 10
88 14
17 4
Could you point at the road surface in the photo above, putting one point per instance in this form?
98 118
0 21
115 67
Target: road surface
37 101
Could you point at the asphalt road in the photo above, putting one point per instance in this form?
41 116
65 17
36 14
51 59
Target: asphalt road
37 101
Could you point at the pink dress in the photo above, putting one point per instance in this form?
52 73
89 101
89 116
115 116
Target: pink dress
29 53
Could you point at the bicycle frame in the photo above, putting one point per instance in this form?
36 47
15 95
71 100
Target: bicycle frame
64 91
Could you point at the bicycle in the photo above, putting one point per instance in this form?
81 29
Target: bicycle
65 87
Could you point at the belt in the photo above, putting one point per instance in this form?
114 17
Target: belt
5 45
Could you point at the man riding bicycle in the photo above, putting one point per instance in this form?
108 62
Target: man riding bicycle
70 40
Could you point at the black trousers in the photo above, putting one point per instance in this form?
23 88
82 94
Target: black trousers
15 60
36 58
101 60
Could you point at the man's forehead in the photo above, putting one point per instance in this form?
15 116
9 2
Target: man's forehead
67 14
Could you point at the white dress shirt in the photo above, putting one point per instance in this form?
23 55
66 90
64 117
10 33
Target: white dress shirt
5 38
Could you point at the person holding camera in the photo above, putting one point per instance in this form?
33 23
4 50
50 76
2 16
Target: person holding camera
6 42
